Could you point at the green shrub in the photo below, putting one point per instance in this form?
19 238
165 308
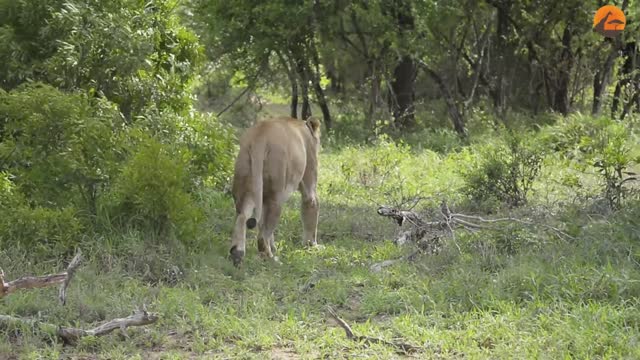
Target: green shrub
40 230
203 143
609 151
505 172
150 193
61 148
601 144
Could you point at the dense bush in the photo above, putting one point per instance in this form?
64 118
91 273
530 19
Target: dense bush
136 54
505 171
71 161
151 193
61 149
603 145
205 145
39 229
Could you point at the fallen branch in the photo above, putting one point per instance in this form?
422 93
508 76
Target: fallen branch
34 282
71 335
478 218
71 270
450 221
402 348
377 267
139 318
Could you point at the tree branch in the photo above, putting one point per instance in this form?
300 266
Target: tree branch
402 348
71 335
34 282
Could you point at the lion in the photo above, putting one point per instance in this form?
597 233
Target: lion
276 157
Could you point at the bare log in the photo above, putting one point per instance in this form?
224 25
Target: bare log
401 347
34 282
71 335
71 270
447 225
450 221
139 318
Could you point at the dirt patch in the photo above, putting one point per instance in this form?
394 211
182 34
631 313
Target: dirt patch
280 353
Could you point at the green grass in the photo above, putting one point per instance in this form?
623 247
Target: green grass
513 293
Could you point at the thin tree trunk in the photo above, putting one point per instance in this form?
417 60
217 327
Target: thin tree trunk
403 87
294 85
616 98
303 75
374 95
601 80
454 112
315 79
561 98
403 84
635 99
624 76
324 107
294 99
502 29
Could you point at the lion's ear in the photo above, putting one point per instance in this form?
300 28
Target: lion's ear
314 125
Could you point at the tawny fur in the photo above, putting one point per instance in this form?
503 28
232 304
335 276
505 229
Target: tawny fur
276 158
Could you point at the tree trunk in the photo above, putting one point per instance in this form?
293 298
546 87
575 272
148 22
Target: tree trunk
403 86
635 100
502 29
601 80
306 107
294 84
624 76
315 79
303 75
294 99
404 74
454 112
324 107
561 97
374 96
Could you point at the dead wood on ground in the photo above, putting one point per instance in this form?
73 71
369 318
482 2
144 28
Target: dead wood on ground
402 348
66 334
427 235
71 335
34 282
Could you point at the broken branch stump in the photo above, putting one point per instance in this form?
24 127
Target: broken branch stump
34 282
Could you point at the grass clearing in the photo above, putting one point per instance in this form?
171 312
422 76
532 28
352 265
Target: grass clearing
511 293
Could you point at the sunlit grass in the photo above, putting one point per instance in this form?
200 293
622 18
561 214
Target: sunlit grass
512 293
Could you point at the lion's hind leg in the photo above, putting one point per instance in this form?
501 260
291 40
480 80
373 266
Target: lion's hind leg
266 239
309 213
244 209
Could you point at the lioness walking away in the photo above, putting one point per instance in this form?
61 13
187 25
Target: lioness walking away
276 157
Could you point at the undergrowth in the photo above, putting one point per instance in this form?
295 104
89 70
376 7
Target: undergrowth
513 291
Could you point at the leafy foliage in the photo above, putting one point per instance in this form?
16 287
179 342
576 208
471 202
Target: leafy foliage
41 230
505 172
602 144
151 193
136 54
62 149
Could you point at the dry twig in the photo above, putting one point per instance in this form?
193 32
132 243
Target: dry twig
449 222
71 335
452 220
71 270
402 348
34 282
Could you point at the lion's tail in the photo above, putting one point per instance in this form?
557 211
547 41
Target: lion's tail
256 157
